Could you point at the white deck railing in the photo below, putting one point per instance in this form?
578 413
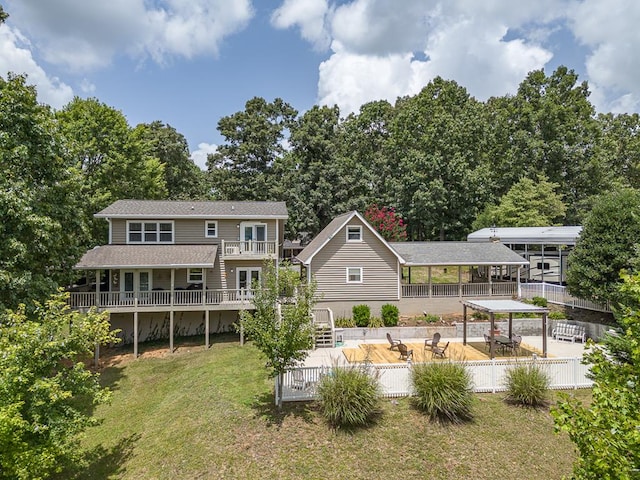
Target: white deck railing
249 248
168 298
559 295
486 375
441 290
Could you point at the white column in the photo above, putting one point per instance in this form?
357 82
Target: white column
206 328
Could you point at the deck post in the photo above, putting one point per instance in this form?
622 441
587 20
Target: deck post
171 331
135 330
544 335
206 328
464 324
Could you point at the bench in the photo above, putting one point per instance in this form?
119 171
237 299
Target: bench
566 331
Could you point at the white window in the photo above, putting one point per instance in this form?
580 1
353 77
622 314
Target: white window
150 232
354 274
211 229
194 275
354 233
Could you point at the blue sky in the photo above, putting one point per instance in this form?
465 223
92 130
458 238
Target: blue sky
188 63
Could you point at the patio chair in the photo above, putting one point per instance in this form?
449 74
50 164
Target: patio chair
404 352
393 343
439 352
514 346
487 342
299 383
433 342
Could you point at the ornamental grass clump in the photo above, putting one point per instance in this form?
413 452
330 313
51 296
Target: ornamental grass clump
527 385
350 396
443 390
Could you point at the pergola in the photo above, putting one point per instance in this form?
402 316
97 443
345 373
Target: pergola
504 306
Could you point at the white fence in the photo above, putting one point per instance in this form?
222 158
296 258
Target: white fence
559 295
487 376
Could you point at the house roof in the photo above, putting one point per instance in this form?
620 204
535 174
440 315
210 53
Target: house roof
503 306
328 232
190 209
528 235
149 256
457 253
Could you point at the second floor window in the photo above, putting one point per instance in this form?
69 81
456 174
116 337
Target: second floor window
211 229
149 232
354 233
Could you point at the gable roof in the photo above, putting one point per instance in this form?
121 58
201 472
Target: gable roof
457 253
328 232
157 256
192 209
528 235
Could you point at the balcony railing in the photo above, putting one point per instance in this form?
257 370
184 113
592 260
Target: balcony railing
249 248
160 298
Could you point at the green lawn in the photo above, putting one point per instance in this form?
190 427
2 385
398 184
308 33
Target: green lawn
210 414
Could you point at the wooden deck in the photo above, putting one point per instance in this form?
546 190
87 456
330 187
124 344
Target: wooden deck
380 353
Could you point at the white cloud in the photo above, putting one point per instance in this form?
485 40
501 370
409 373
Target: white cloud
199 156
85 35
309 15
380 51
610 30
15 56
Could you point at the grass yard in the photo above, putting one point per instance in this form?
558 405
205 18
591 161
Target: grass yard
209 414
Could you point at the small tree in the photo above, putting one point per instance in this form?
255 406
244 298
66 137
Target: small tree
46 393
387 223
281 327
606 432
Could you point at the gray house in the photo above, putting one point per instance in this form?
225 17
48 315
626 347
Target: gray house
353 264
179 267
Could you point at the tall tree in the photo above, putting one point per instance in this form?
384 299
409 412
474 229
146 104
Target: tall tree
46 393
42 229
183 178
549 128
438 140
242 168
112 160
528 203
605 246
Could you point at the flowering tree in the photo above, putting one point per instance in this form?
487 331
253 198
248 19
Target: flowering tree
387 223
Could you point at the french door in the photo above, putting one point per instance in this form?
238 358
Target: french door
135 281
254 236
247 277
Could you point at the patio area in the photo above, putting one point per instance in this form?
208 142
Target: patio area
377 351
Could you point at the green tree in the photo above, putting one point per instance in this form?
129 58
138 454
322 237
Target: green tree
280 326
528 203
438 138
606 432
46 393
183 178
42 231
242 168
605 246
113 161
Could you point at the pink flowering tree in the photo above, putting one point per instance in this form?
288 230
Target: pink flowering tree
387 223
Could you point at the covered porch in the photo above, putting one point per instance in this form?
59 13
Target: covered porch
459 269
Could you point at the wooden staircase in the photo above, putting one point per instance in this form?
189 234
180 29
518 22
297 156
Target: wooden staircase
324 335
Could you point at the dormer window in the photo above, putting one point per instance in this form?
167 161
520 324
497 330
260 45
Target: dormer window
149 232
354 233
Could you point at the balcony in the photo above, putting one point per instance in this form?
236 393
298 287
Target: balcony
162 300
249 250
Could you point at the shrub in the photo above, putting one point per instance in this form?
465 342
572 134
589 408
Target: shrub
345 322
375 322
527 385
390 315
361 315
430 317
349 396
481 315
557 315
539 301
443 391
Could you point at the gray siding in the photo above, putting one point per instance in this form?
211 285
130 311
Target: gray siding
379 264
189 231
